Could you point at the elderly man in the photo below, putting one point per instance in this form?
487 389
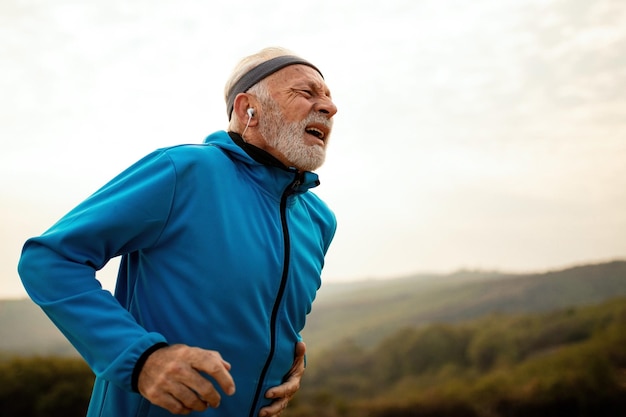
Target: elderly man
222 248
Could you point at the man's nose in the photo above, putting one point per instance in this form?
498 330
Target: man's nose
326 106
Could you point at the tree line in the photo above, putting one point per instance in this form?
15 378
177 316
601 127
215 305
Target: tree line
570 362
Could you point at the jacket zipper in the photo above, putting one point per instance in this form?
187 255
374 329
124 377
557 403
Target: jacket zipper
281 290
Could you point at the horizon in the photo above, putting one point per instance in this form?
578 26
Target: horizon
109 281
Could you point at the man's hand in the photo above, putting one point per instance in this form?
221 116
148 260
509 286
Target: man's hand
285 391
171 379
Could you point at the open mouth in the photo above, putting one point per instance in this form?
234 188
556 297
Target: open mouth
314 131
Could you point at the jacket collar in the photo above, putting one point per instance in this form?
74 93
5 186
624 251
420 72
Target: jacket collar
234 144
257 153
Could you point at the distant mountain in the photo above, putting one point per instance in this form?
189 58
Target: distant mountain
368 311
26 330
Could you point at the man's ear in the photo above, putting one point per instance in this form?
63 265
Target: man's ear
241 106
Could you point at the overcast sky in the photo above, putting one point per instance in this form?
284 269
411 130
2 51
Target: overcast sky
484 135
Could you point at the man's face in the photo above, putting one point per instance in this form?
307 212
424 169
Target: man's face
297 123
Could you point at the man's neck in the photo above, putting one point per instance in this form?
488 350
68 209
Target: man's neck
255 152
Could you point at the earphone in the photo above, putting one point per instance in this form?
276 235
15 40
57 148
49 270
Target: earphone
250 112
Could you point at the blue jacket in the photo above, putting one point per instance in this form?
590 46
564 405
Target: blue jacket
219 251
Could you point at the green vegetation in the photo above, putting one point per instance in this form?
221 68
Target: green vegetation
367 312
470 344
44 387
571 362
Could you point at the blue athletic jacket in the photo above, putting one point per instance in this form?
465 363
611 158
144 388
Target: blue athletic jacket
219 251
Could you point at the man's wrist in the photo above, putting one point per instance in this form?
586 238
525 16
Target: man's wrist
141 362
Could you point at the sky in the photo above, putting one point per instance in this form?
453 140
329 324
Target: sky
470 135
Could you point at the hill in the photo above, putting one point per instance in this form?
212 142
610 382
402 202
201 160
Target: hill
25 330
368 311
566 362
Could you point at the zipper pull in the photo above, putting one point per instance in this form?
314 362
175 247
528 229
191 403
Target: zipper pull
295 184
299 180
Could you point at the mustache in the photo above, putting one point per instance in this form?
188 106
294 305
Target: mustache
316 117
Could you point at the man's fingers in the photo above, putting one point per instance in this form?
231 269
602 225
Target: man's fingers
179 398
212 363
203 390
275 408
293 379
183 400
285 390
171 404
172 377
283 393
300 349
187 401
299 360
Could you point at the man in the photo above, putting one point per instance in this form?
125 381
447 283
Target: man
222 247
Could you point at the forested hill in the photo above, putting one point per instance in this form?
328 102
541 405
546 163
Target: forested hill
368 311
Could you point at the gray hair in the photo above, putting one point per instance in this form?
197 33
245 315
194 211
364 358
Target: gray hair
244 66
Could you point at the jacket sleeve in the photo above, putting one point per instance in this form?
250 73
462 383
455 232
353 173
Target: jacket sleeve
58 268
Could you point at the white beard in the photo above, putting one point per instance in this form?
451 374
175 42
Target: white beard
288 137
